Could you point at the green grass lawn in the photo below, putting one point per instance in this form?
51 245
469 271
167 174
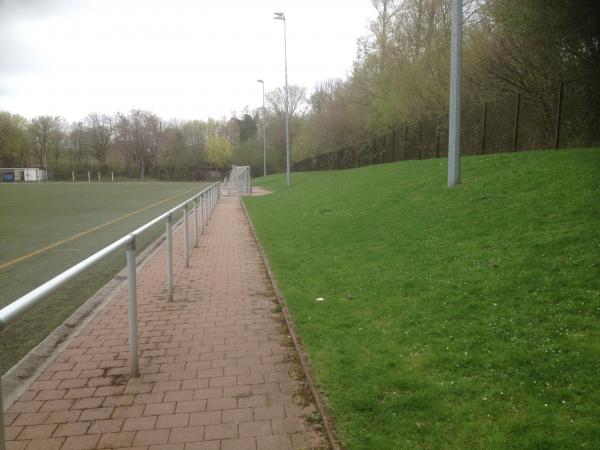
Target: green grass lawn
465 318
35 215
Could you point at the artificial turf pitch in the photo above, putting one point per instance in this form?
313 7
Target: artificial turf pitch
36 216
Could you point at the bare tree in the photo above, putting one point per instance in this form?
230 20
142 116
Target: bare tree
144 128
41 130
296 99
100 132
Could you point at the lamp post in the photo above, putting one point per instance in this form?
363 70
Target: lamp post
281 16
264 130
454 119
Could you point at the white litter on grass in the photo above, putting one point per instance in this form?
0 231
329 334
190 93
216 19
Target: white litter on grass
320 299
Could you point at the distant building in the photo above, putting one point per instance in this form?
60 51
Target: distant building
10 174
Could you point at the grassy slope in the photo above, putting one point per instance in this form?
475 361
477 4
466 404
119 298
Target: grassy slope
35 215
453 318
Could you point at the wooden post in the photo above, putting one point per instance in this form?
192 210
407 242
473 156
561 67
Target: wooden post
558 114
516 126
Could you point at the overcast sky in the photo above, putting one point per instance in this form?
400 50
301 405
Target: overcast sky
178 58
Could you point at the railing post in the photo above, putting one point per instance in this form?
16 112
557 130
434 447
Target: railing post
205 208
201 214
186 236
132 291
196 222
170 258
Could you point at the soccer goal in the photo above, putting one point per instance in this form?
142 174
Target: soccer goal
238 181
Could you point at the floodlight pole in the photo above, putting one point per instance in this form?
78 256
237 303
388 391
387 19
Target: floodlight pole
281 16
454 113
264 129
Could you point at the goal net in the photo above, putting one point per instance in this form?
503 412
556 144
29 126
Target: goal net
238 181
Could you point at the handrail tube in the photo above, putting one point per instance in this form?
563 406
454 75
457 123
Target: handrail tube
153 222
17 308
173 210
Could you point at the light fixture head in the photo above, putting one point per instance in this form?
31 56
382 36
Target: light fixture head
260 81
279 15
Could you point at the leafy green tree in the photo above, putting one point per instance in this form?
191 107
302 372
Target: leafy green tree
218 151
15 144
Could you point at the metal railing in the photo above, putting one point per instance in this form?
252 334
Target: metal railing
203 202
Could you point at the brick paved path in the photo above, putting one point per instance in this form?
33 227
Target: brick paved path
213 363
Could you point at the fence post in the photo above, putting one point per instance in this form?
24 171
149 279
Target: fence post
437 138
483 127
516 127
186 236
132 312
420 138
169 258
393 144
196 222
373 154
405 139
558 114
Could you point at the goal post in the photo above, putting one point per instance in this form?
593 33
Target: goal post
238 181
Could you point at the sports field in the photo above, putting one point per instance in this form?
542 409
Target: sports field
47 227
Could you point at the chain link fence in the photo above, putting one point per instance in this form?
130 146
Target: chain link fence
568 118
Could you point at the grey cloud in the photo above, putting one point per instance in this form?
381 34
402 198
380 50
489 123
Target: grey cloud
16 56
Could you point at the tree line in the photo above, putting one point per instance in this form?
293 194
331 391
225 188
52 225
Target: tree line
525 48
140 143
400 75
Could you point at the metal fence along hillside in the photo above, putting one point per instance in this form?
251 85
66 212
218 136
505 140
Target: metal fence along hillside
568 118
